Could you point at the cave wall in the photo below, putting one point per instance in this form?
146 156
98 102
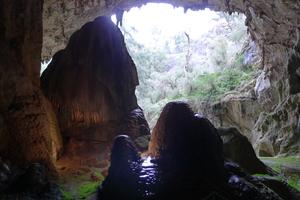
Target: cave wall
25 135
274 26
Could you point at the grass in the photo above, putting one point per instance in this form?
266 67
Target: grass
66 195
277 162
87 189
81 187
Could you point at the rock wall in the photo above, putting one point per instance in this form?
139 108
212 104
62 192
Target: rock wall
24 133
24 121
91 85
274 26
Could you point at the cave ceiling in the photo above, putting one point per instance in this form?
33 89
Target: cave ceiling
272 22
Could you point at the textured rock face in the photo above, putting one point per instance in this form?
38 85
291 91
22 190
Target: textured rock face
240 111
276 132
24 134
91 84
93 80
274 26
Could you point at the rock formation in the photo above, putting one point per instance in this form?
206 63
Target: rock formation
237 148
28 182
274 27
183 171
25 133
28 133
91 84
170 144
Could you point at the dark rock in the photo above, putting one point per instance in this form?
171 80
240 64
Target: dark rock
122 179
180 170
237 148
91 85
31 182
137 126
182 139
281 188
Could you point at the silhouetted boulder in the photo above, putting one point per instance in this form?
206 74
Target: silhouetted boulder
30 182
122 180
187 163
237 148
185 140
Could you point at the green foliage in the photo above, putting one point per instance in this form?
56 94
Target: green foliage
292 182
276 162
88 188
81 187
66 195
211 86
214 67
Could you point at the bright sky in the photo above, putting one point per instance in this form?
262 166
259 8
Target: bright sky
169 20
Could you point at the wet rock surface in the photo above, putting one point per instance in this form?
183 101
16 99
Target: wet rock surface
171 175
30 182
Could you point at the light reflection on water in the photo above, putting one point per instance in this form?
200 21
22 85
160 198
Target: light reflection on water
148 177
147 162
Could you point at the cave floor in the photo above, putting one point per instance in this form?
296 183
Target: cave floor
78 182
287 167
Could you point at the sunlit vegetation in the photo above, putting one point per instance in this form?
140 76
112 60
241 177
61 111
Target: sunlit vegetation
186 68
277 163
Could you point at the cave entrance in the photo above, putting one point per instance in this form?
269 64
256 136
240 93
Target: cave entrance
199 57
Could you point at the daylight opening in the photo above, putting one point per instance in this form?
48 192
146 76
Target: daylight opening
198 57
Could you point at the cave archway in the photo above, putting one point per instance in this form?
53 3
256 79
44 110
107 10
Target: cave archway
24 113
273 26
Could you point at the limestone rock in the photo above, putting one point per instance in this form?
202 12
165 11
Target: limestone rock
273 26
237 108
237 148
93 80
276 132
91 85
25 134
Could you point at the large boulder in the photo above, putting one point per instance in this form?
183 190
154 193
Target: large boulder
26 182
185 140
91 85
237 148
188 164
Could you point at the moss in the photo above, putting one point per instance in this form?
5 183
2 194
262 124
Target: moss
292 182
66 195
276 162
81 187
88 188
